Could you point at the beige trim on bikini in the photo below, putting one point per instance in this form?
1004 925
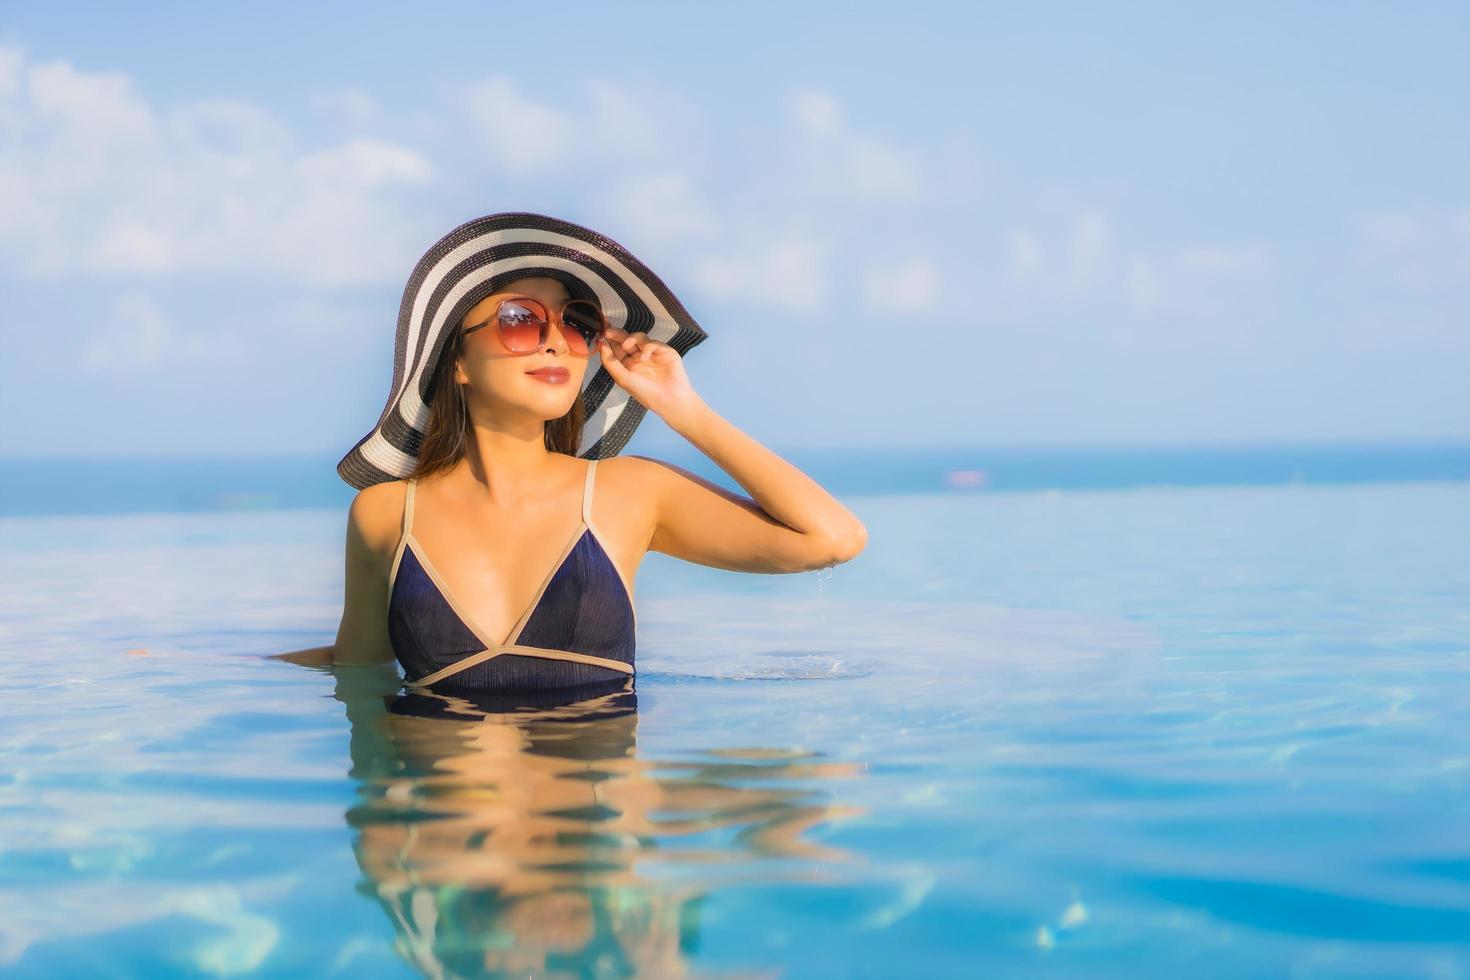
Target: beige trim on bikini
602 540
403 537
474 659
509 644
520 624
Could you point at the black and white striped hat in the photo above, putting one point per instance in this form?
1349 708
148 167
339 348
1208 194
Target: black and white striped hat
477 259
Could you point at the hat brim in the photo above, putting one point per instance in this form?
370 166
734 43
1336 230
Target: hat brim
474 261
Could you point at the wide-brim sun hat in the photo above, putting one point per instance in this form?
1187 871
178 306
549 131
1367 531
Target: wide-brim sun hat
476 260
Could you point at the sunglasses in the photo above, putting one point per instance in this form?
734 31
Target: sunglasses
523 324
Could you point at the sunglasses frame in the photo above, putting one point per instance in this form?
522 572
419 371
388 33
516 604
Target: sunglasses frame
546 322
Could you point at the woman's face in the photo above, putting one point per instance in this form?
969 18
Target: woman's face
501 378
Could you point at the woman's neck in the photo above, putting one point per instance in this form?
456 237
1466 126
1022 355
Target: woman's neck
505 471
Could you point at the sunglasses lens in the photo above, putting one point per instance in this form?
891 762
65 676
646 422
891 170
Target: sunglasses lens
522 325
584 325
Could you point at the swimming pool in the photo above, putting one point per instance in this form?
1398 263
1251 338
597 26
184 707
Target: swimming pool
1109 732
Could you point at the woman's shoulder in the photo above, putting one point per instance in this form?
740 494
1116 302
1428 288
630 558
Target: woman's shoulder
631 466
646 472
636 483
630 475
376 513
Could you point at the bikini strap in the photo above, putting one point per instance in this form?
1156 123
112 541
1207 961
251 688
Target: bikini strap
408 507
587 493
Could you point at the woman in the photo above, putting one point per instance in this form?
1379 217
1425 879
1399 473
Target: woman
496 536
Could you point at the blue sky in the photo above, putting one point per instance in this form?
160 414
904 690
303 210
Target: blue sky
921 224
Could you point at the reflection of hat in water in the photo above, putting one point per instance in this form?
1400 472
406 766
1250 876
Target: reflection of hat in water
476 260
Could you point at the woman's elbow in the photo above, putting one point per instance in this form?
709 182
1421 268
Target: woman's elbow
856 542
846 547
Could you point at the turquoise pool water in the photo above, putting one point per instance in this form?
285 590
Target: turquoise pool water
1214 731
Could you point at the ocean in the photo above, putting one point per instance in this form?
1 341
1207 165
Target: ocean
1072 713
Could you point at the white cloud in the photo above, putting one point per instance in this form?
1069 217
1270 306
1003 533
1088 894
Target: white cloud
11 59
327 316
94 180
838 160
615 127
1248 259
136 337
1142 283
882 171
1202 276
663 206
230 131
130 245
792 273
1191 277
100 105
1025 253
902 287
817 112
520 134
349 105
623 122
1420 248
721 276
789 273
1090 245
363 164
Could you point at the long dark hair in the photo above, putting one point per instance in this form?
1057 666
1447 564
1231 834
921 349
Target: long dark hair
446 440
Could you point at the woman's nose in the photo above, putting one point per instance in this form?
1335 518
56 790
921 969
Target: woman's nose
557 337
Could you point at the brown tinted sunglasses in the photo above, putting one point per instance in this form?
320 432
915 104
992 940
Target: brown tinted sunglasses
523 324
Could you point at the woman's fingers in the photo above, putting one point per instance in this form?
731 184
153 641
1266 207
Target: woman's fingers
610 358
635 346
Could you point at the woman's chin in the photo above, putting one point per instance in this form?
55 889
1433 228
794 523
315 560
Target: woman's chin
552 404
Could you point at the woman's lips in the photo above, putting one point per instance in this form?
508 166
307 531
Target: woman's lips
554 376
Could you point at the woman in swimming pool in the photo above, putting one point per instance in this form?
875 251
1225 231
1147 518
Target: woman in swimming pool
496 536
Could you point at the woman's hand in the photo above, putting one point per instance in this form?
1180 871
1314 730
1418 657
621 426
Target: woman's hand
651 371
313 657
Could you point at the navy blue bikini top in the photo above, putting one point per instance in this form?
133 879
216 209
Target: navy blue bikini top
579 629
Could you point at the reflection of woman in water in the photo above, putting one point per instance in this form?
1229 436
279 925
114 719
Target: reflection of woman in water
528 350
520 842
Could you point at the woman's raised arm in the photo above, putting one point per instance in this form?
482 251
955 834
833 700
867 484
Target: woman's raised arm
791 525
